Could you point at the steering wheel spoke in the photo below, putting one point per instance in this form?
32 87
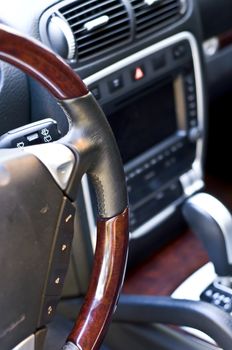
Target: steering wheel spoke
33 214
89 147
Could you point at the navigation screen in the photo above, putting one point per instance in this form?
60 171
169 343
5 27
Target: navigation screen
145 122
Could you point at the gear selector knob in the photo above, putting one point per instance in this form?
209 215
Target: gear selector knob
211 221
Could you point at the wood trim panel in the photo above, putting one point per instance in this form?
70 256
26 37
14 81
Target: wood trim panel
166 270
105 284
40 63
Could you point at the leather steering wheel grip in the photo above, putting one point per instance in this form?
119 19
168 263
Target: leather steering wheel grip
96 152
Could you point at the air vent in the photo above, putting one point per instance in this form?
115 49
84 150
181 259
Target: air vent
97 25
152 15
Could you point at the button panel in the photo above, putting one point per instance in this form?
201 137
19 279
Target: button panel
96 92
143 72
154 183
218 296
138 73
150 174
191 99
115 83
59 261
180 51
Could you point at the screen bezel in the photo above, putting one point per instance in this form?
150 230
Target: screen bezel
179 99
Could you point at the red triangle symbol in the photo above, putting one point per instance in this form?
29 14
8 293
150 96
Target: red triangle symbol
139 74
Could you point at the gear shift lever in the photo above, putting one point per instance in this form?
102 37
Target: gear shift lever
212 223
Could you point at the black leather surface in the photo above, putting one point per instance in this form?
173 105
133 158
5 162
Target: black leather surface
14 98
199 315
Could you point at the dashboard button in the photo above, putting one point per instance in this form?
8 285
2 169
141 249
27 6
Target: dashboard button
179 51
138 73
96 92
115 83
159 62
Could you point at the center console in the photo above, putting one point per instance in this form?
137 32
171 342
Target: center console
153 100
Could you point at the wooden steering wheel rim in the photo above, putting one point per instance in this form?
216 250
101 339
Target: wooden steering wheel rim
112 233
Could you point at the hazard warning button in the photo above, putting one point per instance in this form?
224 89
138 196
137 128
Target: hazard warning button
138 73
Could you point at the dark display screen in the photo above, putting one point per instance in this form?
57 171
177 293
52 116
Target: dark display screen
145 122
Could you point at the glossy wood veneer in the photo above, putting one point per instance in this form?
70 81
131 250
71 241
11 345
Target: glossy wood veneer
42 64
105 284
163 272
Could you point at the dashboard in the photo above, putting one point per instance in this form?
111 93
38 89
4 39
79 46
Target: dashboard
151 66
161 72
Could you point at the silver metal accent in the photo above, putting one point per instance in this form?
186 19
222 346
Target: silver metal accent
151 2
71 346
192 181
57 280
89 211
192 288
64 247
57 158
67 31
50 310
225 282
27 344
211 46
215 209
155 221
68 218
96 23
183 6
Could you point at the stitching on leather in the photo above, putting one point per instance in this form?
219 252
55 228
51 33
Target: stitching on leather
100 194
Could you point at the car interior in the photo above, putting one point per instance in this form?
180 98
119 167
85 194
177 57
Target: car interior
115 175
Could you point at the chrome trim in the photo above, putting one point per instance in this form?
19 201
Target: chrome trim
155 221
183 6
192 288
27 344
89 210
65 28
57 158
211 46
150 2
219 213
224 283
191 181
71 346
96 23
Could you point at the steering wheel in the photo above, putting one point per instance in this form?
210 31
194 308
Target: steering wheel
38 187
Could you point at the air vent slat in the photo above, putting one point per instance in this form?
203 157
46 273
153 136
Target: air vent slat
92 16
120 18
123 25
155 17
160 16
104 45
146 26
100 38
143 8
158 10
108 13
104 36
78 8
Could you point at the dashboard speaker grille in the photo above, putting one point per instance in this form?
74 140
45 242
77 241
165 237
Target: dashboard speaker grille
98 25
150 16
